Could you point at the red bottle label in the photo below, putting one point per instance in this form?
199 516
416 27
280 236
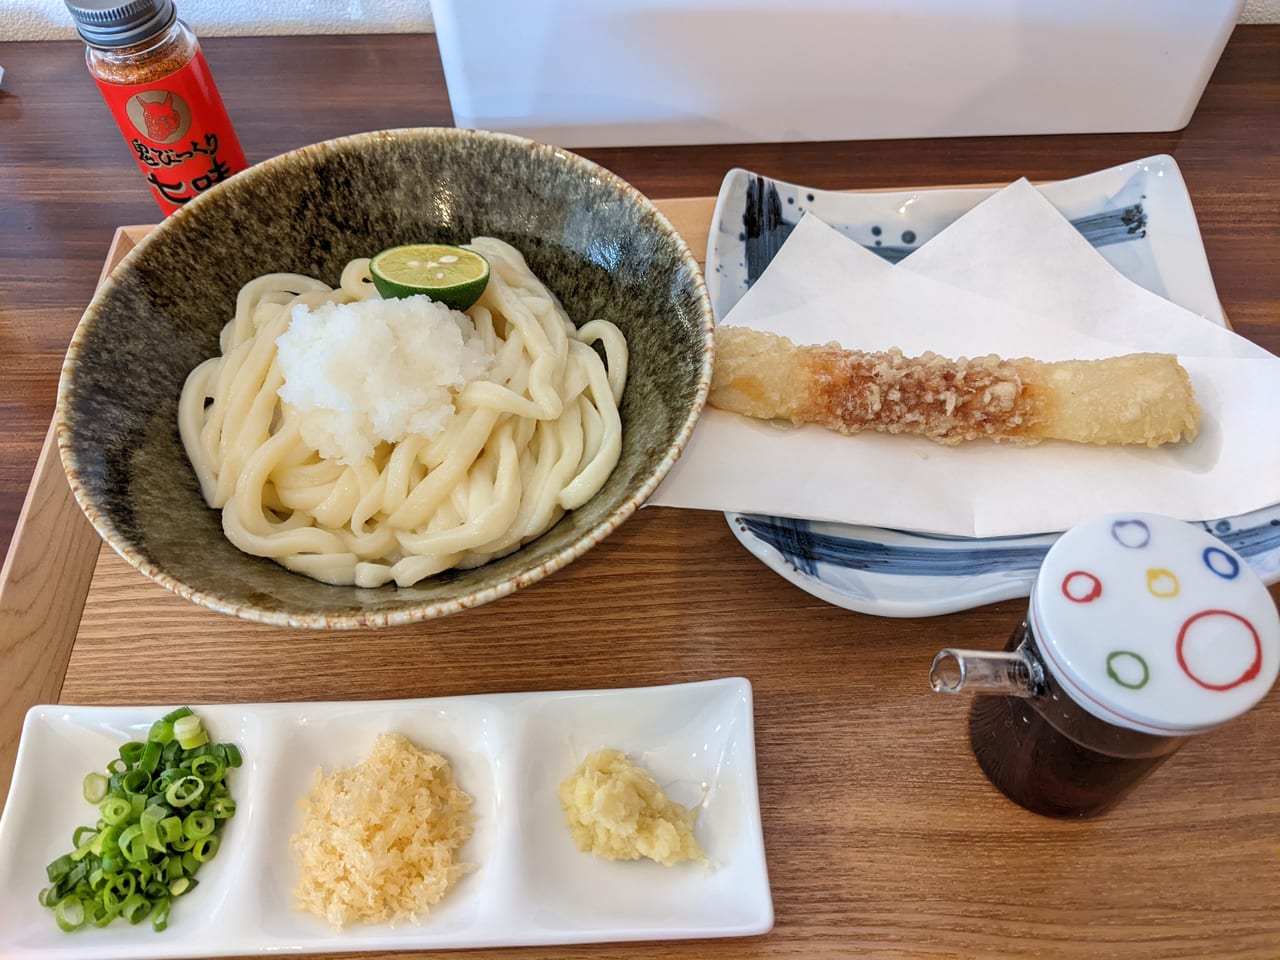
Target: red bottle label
179 131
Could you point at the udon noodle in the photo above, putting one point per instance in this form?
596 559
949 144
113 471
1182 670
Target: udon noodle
536 436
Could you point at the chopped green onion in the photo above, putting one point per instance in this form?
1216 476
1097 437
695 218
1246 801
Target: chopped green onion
190 732
86 847
135 909
150 824
59 868
204 849
209 768
95 787
122 885
161 732
171 829
115 810
107 838
151 756
170 752
185 791
160 916
198 824
79 871
132 844
99 914
131 752
69 914
203 750
161 805
135 781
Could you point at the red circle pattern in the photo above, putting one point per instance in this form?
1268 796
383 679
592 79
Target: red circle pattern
1254 668
1094 592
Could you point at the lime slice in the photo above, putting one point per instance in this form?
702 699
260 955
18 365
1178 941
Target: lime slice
451 275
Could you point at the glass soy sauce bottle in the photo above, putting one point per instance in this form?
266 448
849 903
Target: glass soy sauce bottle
1141 632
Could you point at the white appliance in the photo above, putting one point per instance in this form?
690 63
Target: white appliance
634 72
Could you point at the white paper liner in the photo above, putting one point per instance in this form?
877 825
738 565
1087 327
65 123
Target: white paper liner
1014 278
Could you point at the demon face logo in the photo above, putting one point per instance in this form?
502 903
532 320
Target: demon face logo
159 115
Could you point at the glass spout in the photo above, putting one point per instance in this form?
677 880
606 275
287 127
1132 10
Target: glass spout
986 671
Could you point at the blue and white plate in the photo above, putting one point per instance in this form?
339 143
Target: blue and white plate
1137 215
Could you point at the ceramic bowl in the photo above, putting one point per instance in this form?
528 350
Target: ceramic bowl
596 242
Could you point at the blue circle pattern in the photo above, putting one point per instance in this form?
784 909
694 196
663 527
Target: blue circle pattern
1212 554
1122 531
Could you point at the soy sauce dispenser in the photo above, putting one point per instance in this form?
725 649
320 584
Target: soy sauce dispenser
1142 631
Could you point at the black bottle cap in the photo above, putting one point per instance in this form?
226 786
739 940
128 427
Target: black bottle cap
110 23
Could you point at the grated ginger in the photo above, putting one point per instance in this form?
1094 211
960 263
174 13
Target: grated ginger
380 841
617 811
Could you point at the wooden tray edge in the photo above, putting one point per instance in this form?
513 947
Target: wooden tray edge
45 578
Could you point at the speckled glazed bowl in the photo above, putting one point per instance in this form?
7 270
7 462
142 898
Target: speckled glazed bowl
596 242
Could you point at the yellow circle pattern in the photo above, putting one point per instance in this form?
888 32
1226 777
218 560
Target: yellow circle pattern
1162 583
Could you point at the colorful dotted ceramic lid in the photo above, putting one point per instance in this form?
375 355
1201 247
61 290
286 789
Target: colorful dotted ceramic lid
1155 624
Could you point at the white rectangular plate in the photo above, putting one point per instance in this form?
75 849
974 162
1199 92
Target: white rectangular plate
510 751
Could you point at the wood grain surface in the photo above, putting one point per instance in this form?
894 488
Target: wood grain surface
882 836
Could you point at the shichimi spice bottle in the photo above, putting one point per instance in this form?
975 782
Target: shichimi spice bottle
154 78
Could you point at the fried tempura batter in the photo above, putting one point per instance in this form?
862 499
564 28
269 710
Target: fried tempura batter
1140 398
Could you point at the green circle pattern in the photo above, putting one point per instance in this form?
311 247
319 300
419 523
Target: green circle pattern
1111 670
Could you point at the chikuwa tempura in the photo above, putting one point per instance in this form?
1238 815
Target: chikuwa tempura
1143 398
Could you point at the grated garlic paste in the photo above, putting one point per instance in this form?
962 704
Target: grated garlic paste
380 841
617 811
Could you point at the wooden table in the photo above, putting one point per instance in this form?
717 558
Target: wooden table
883 838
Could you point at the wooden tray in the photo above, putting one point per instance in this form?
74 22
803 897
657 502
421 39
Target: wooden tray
883 839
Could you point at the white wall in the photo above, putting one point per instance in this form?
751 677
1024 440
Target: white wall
49 20
1261 11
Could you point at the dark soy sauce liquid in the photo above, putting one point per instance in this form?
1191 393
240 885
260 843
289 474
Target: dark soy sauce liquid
1052 756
